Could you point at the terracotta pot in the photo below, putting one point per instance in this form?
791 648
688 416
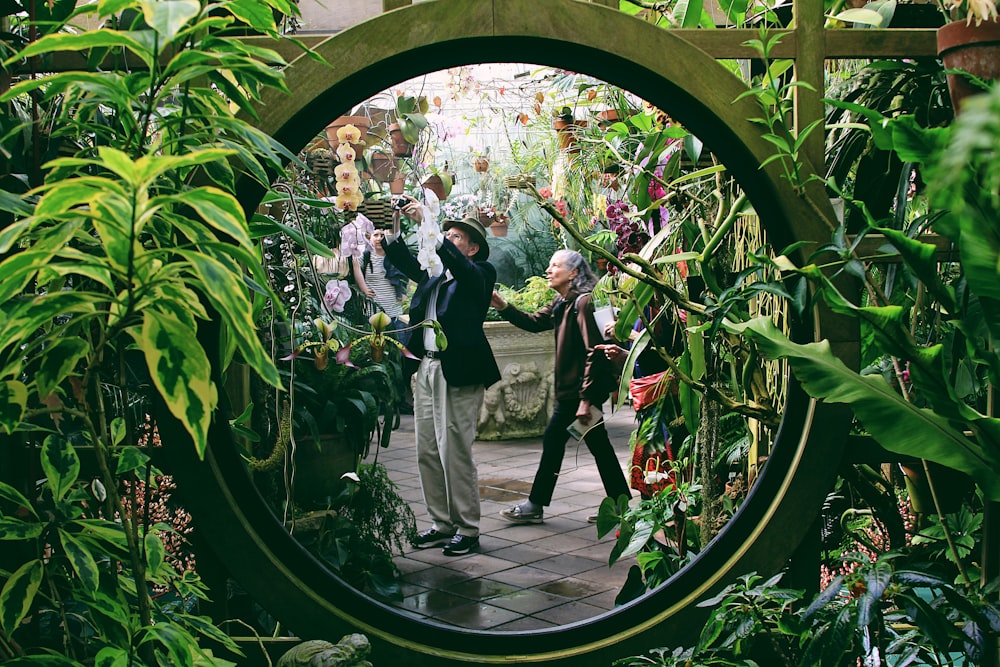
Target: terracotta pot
360 122
974 49
498 229
400 146
397 185
569 133
607 117
381 167
436 185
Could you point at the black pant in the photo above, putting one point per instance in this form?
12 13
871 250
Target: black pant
554 448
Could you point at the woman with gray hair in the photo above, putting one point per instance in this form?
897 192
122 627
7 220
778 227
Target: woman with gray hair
583 380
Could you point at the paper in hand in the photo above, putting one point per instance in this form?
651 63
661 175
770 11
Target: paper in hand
579 430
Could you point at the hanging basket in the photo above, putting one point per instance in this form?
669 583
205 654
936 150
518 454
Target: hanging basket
971 48
378 210
481 164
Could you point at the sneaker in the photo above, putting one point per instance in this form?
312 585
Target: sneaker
461 544
430 538
520 514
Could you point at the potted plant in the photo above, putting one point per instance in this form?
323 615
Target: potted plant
410 121
439 182
970 43
567 128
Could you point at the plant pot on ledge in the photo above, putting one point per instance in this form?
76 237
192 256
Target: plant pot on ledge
498 228
972 48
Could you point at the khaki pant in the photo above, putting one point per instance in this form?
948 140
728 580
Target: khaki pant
444 421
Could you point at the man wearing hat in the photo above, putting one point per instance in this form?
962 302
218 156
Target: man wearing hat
450 382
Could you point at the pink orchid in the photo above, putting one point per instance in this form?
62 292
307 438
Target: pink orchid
337 294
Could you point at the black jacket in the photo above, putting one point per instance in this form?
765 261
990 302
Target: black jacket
580 371
461 309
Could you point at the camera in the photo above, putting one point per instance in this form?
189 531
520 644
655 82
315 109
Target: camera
398 203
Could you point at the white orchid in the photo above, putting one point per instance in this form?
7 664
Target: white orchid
978 10
430 261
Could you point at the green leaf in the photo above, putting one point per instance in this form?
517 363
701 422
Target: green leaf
12 495
921 259
15 529
61 465
181 372
131 458
898 426
13 402
118 431
167 17
58 362
155 553
83 41
642 534
225 290
203 625
220 210
18 594
112 656
114 609
254 13
179 645
81 560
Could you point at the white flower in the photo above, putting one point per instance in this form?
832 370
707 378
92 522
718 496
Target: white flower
982 10
432 203
430 261
429 235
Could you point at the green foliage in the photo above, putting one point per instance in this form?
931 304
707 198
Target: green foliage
368 524
658 531
75 593
773 93
881 613
535 294
937 414
124 252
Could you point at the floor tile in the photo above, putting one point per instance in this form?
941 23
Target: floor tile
523 577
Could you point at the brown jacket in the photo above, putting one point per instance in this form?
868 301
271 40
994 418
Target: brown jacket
580 373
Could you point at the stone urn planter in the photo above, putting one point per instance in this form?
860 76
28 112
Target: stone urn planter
520 404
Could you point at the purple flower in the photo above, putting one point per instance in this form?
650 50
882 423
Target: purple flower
337 294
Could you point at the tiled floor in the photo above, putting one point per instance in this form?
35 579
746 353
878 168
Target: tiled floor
522 577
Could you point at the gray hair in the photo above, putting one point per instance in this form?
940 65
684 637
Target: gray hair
585 279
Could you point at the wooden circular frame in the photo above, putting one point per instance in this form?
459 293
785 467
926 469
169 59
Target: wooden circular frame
694 89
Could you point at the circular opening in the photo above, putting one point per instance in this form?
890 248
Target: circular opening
425 37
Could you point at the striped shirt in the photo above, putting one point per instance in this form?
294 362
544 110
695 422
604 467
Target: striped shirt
385 294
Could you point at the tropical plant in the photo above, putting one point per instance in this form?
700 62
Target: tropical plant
881 613
369 523
535 294
658 531
939 401
127 241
